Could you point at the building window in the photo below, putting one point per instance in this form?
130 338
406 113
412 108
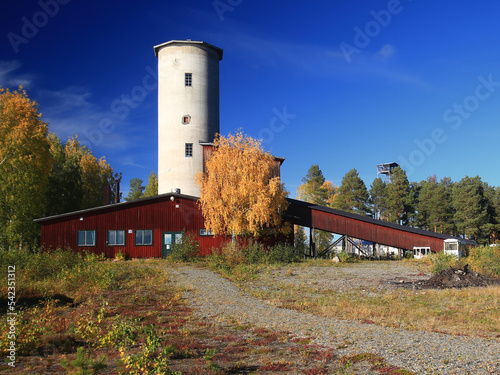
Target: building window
186 119
189 150
188 79
86 238
205 232
143 237
116 237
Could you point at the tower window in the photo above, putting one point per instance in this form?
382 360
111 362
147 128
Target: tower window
186 119
189 150
188 79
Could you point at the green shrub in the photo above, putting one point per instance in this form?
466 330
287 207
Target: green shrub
409 255
441 261
58 271
186 251
120 255
235 254
344 256
84 364
485 260
254 253
283 253
41 264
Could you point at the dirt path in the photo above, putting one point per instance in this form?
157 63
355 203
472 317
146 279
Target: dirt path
421 352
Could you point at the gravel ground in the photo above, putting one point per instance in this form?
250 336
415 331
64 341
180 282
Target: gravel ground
421 352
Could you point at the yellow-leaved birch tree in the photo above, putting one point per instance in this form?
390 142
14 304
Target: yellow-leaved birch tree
239 192
25 164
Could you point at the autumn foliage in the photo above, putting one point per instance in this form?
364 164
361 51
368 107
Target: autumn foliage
39 175
239 193
25 163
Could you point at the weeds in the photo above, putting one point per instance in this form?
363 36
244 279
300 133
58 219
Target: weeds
152 358
441 261
84 364
186 251
344 256
120 255
485 260
243 260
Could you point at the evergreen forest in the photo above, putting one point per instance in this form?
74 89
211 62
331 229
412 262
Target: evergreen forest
469 208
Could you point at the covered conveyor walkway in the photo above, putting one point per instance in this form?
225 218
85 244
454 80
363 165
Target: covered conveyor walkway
364 228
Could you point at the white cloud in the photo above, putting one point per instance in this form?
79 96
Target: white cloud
387 51
325 61
130 162
70 111
7 78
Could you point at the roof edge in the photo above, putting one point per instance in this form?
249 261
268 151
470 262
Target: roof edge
116 205
188 42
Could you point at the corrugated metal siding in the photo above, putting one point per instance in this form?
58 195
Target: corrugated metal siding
160 215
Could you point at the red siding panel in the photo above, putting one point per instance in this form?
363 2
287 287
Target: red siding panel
372 232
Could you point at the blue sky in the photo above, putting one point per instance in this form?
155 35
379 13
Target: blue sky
339 84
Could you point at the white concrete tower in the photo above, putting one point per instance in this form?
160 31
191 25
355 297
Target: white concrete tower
188 110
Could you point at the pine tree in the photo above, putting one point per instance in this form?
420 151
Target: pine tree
496 216
441 216
136 189
352 194
312 189
152 186
316 189
300 240
424 205
377 200
470 207
400 198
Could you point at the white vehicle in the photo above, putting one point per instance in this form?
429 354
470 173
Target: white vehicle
454 246
420 252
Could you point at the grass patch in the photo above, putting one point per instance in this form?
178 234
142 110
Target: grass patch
467 311
98 316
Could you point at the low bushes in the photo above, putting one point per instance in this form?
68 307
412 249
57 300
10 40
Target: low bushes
485 260
441 261
186 251
45 273
234 254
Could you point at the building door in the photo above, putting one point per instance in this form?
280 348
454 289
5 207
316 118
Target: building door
169 239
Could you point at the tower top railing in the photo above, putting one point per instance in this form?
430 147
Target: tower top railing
188 42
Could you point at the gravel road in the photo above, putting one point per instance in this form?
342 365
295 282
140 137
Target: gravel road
421 352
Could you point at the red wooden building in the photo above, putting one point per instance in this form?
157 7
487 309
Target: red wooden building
142 228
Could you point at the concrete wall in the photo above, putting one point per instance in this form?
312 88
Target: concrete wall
200 102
